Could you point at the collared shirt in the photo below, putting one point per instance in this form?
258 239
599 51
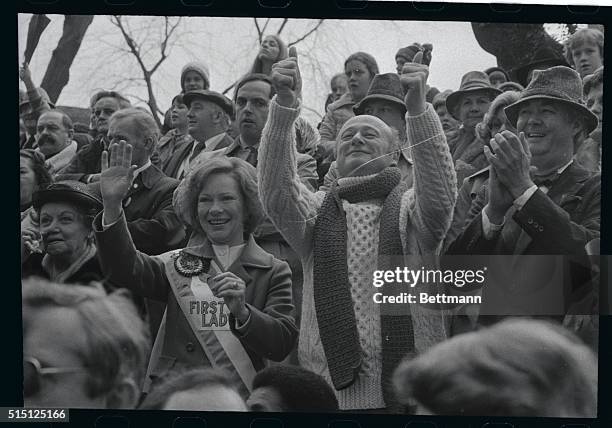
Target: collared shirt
208 146
490 230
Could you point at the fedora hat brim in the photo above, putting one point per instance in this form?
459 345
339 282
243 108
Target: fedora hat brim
453 99
220 100
590 120
360 106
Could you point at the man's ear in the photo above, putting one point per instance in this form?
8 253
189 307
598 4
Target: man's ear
125 395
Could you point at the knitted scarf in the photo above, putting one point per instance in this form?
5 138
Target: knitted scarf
332 295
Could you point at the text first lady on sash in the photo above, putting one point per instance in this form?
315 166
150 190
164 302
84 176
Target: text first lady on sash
229 302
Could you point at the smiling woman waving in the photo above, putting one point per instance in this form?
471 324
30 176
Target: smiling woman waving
229 302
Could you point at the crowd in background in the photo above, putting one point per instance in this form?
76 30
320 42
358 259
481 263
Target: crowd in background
225 261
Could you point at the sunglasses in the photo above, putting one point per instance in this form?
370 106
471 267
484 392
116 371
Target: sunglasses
33 371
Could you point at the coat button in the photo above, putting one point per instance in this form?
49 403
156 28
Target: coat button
190 347
541 229
530 221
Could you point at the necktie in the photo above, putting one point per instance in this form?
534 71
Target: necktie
196 151
252 157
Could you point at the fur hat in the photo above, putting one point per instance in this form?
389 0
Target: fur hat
560 84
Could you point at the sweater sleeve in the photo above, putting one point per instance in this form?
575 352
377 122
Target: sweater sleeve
432 198
286 200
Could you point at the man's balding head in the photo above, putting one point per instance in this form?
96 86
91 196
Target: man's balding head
365 145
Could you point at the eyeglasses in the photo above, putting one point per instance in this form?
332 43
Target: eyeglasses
33 371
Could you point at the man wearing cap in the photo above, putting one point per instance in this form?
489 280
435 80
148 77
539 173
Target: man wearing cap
85 166
206 124
538 200
468 105
32 103
385 100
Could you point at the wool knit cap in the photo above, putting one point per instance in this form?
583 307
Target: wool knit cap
560 84
367 59
543 58
383 87
199 68
472 82
409 52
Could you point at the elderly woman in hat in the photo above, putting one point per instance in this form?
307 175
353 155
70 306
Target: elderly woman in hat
468 105
61 247
229 302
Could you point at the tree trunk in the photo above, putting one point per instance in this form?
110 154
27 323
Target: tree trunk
513 44
58 70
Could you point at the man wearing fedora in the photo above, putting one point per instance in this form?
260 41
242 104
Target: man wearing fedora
385 100
468 105
207 124
537 199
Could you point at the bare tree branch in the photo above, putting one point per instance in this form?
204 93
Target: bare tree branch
315 28
259 31
263 30
282 26
139 51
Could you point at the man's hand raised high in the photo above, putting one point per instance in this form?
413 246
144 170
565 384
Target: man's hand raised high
287 80
414 80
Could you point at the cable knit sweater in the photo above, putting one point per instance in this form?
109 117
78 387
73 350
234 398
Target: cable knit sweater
425 216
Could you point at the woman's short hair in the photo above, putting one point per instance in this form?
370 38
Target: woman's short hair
519 367
365 58
592 80
187 194
39 167
483 129
584 35
301 390
185 380
118 340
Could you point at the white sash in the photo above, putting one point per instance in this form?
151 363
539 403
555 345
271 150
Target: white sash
208 314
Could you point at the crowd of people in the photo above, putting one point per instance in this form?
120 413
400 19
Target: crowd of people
225 262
